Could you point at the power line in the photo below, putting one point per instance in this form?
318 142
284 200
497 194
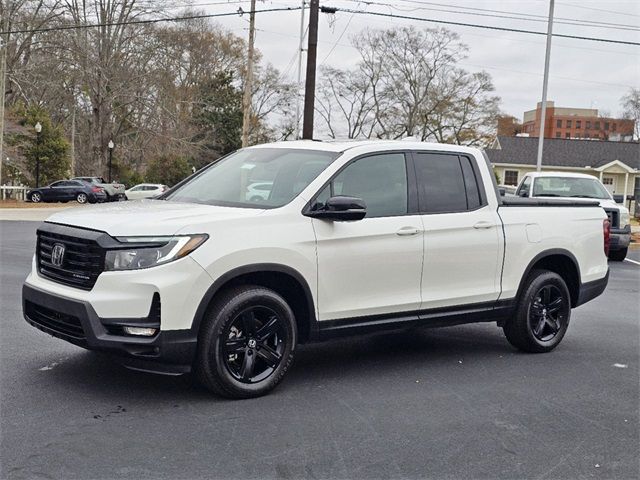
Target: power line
542 18
573 5
150 21
511 16
487 27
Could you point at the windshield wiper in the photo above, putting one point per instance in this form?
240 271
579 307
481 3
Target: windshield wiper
547 195
581 196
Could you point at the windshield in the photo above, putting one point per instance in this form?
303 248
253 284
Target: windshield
258 178
569 187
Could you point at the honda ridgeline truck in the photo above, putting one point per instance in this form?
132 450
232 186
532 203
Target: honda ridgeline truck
352 238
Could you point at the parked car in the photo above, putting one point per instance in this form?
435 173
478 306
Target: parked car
67 190
145 190
115 191
577 186
387 235
259 191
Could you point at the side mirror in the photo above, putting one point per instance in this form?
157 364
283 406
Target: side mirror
523 193
502 192
341 209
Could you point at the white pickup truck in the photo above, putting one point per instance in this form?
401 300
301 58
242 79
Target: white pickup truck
352 238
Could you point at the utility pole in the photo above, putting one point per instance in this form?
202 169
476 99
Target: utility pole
310 82
248 84
4 46
299 84
545 83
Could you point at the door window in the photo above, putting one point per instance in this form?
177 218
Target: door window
380 180
523 191
446 183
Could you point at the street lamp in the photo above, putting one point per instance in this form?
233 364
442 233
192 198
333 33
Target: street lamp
110 145
38 129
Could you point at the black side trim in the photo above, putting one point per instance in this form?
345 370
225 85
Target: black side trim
438 317
257 268
543 202
591 290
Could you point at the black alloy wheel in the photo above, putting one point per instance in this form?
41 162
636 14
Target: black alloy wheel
246 343
546 312
254 344
542 314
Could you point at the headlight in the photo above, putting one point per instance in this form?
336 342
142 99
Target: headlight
624 219
146 252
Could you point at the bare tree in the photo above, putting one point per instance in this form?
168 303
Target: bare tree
345 100
407 83
631 108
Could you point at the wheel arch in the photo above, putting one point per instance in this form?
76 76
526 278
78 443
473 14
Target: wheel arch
284 280
559 261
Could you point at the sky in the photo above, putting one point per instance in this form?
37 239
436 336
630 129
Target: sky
583 74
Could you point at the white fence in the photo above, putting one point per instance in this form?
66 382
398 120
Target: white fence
12 191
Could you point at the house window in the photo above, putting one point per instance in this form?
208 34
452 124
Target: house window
606 125
559 123
567 135
597 125
588 125
607 180
511 177
568 123
558 134
578 123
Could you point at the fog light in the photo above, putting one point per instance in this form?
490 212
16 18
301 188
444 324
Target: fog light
140 331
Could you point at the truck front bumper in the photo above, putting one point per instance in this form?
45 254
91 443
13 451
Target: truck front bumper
169 352
620 238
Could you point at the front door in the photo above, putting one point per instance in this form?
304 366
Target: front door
462 233
370 266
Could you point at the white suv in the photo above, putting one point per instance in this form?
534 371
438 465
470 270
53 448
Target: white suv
350 238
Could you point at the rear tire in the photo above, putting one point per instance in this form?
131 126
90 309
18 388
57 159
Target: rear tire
618 255
82 198
246 343
542 314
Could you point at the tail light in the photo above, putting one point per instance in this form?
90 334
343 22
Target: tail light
606 233
96 189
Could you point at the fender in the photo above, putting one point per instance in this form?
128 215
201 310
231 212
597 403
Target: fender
547 253
257 268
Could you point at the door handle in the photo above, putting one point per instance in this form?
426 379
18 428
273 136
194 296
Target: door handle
482 225
406 231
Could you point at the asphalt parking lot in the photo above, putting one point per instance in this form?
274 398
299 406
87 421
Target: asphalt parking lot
448 403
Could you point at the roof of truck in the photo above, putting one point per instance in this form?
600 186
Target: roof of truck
341 146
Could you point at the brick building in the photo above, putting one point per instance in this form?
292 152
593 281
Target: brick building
576 123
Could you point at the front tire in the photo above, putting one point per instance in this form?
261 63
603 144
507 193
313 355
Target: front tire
618 255
82 198
246 343
542 314
35 197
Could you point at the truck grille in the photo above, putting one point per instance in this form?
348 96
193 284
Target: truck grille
62 323
69 260
614 217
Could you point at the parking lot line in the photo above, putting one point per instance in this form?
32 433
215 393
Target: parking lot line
632 261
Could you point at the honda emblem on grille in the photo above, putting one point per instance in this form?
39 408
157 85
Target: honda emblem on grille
57 255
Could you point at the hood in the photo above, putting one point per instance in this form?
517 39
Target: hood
146 217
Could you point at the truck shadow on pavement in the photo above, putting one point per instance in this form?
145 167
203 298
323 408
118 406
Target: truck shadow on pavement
339 361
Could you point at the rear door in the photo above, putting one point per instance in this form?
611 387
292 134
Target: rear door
55 191
462 242
371 266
